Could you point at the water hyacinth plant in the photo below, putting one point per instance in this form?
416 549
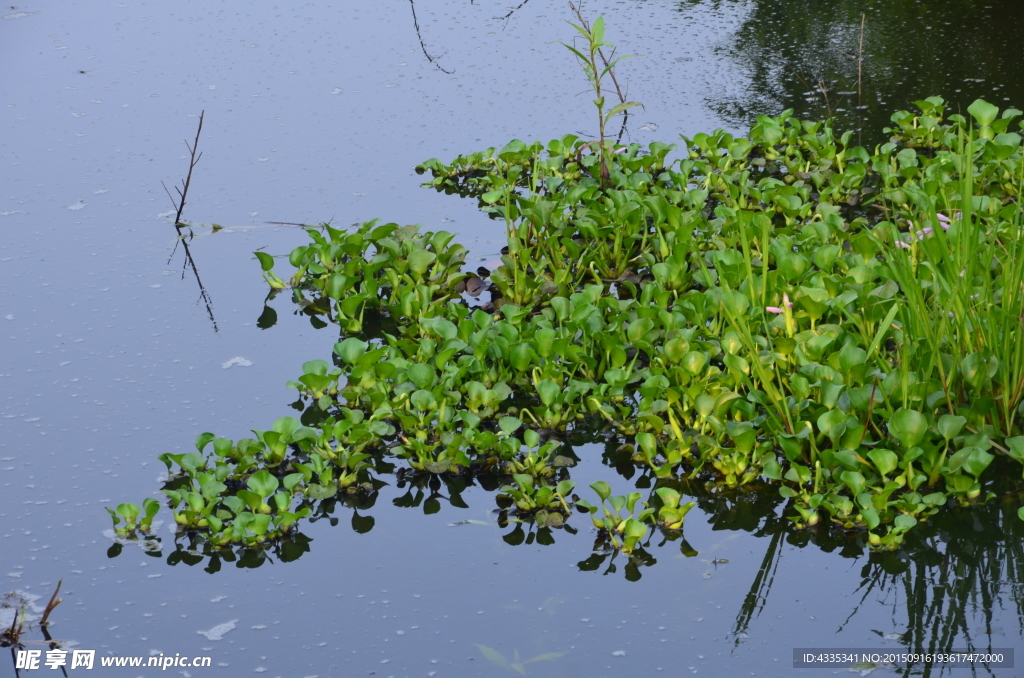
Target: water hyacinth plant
783 310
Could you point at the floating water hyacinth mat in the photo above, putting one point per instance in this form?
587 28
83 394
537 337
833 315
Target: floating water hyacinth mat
784 309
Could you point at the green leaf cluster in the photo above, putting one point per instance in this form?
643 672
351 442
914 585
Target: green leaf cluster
783 308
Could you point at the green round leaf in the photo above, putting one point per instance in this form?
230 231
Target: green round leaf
548 391
735 303
694 362
870 517
509 424
423 400
266 261
885 461
420 261
984 112
904 522
639 329
263 483
351 349
908 426
854 480
950 425
320 367
521 356
422 375
130 512
603 489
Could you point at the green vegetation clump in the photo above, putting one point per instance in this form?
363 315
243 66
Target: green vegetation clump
783 308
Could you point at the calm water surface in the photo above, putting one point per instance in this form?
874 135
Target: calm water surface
319 111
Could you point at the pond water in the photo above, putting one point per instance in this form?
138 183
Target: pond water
112 353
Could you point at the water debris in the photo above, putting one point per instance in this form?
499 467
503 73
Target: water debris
219 631
77 206
237 360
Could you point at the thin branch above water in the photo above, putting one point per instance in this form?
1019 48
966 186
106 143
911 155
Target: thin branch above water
183 238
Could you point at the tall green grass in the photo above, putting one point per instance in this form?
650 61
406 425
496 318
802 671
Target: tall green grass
962 276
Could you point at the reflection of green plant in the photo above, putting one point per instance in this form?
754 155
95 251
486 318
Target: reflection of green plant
516 664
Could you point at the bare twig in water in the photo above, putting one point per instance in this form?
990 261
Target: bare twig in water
820 87
193 161
860 60
419 34
511 11
860 77
54 602
178 224
824 93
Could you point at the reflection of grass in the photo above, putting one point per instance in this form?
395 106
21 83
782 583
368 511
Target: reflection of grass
517 664
960 568
949 577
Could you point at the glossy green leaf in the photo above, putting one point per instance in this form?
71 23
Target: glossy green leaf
603 489
420 261
908 426
548 391
950 425
351 349
263 483
266 261
423 400
885 461
854 480
509 424
983 112
422 375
